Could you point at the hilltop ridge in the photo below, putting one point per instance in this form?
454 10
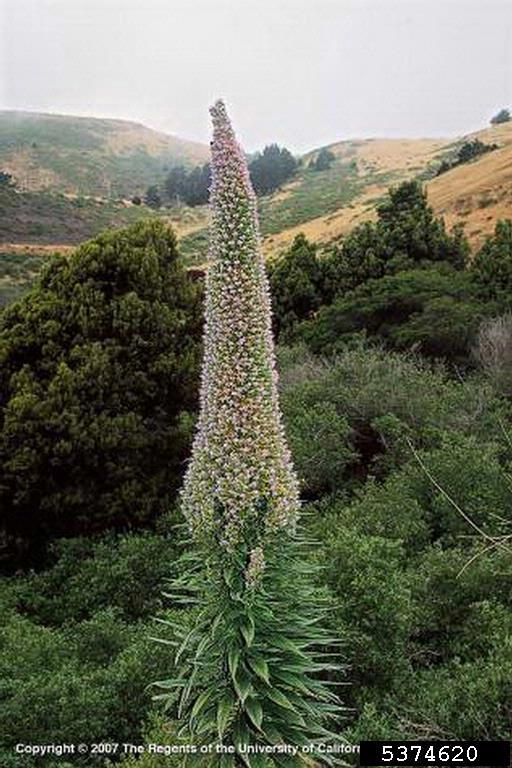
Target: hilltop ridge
78 172
92 156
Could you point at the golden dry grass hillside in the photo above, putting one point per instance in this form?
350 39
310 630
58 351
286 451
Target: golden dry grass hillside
475 194
478 193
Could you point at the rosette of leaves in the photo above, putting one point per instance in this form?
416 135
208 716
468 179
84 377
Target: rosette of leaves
254 665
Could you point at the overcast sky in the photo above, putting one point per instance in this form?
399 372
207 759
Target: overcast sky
300 72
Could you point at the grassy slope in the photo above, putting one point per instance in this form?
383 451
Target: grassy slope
17 271
88 156
36 224
326 204
477 194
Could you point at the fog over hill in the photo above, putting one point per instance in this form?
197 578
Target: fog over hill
88 155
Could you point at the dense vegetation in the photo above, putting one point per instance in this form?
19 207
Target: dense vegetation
188 186
503 116
396 386
268 169
405 237
323 160
271 168
470 150
98 374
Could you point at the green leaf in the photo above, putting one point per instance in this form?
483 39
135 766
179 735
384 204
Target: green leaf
260 666
242 685
224 710
254 710
242 737
202 701
247 630
175 683
278 697
233 659
163 641
294 681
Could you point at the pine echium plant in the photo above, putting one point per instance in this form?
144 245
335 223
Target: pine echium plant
249 669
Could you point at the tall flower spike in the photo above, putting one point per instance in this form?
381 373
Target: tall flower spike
240 485
248 574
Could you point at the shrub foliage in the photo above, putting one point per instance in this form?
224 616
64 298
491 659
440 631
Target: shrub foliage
99 365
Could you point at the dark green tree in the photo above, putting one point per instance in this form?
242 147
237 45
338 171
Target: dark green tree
435 311
405 235
190 187
323 160
99 368
268 170
175 183
492 266
153 198
469 150
503 116
198 185
472 149
271 168
296 284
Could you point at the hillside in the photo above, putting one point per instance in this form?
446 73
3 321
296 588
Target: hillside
62 160
475 194
324 205
88 156
479 193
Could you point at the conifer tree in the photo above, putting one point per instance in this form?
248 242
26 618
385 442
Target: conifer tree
248 671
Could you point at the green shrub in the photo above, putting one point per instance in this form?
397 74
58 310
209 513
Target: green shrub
474 484
124 572
373 611
466 604
84 683
406 235
369 403
319 439
503 116
462 701
99 367
492 265
296 285
421 598
434 311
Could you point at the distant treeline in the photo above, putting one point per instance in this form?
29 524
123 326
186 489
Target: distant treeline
269 169
468 151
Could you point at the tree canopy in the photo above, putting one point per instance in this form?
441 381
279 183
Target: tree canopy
492 266
323 161
99 367
296 284
503 116
189 187
406 234
271 168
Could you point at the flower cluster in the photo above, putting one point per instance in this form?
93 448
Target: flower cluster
240 485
